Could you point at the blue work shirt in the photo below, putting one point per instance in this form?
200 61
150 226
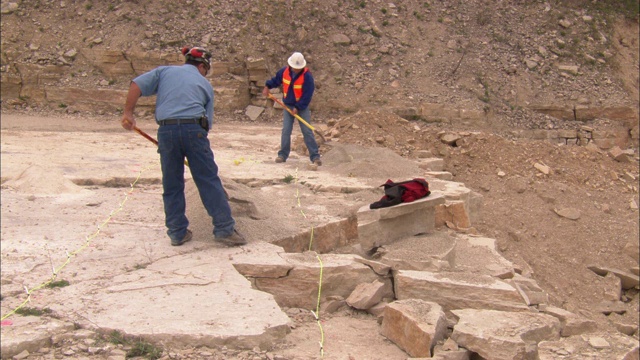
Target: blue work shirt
182 92
307 88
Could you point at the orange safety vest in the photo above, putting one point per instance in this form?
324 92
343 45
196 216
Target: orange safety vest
297 85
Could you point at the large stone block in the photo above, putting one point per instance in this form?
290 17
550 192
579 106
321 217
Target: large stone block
325 238
383 226
299 288
414 325
458 290
503 335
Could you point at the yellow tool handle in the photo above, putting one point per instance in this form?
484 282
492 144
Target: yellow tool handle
291 112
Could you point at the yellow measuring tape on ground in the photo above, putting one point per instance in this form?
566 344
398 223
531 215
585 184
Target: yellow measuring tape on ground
316 313
88 240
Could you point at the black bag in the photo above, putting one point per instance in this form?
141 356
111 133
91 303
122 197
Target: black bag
405 191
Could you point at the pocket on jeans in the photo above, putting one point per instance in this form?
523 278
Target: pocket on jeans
165 145
199 139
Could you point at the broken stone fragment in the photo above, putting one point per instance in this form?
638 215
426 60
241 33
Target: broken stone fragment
450 139
628 280
253 112
569 213
607 307
414 325
572 324
617 154
503 334
366 295
542 168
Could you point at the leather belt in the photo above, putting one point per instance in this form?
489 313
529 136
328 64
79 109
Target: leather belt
178 121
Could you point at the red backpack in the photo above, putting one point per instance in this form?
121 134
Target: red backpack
405 191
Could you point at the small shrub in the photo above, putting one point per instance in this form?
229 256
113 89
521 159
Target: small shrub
59 283
31 311
383 10
116 338
288 179
145 349
62 105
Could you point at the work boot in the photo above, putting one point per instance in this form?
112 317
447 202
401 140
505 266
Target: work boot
317 162
279 159
235 239
187 237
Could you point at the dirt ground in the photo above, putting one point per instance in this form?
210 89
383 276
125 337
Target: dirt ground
39 202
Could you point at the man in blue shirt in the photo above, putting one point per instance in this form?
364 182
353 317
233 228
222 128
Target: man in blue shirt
297 89
184 112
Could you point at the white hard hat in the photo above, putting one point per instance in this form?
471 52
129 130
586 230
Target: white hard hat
297 61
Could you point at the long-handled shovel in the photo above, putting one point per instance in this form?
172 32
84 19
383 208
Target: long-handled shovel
148 137
298 117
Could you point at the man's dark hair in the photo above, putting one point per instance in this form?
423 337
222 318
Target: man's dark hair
193 62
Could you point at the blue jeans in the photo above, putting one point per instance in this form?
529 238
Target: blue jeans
307 134
175 142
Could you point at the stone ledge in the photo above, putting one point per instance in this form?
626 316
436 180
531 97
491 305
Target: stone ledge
383 226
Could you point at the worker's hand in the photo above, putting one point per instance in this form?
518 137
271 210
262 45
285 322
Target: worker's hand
265 91
295 111
128 122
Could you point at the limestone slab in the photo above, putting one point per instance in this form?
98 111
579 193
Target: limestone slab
414 325
194 298
383 226
458 290
30 333
503 335
572 324
340 276
608 346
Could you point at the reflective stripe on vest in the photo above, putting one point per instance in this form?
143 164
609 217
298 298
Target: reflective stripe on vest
297 85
